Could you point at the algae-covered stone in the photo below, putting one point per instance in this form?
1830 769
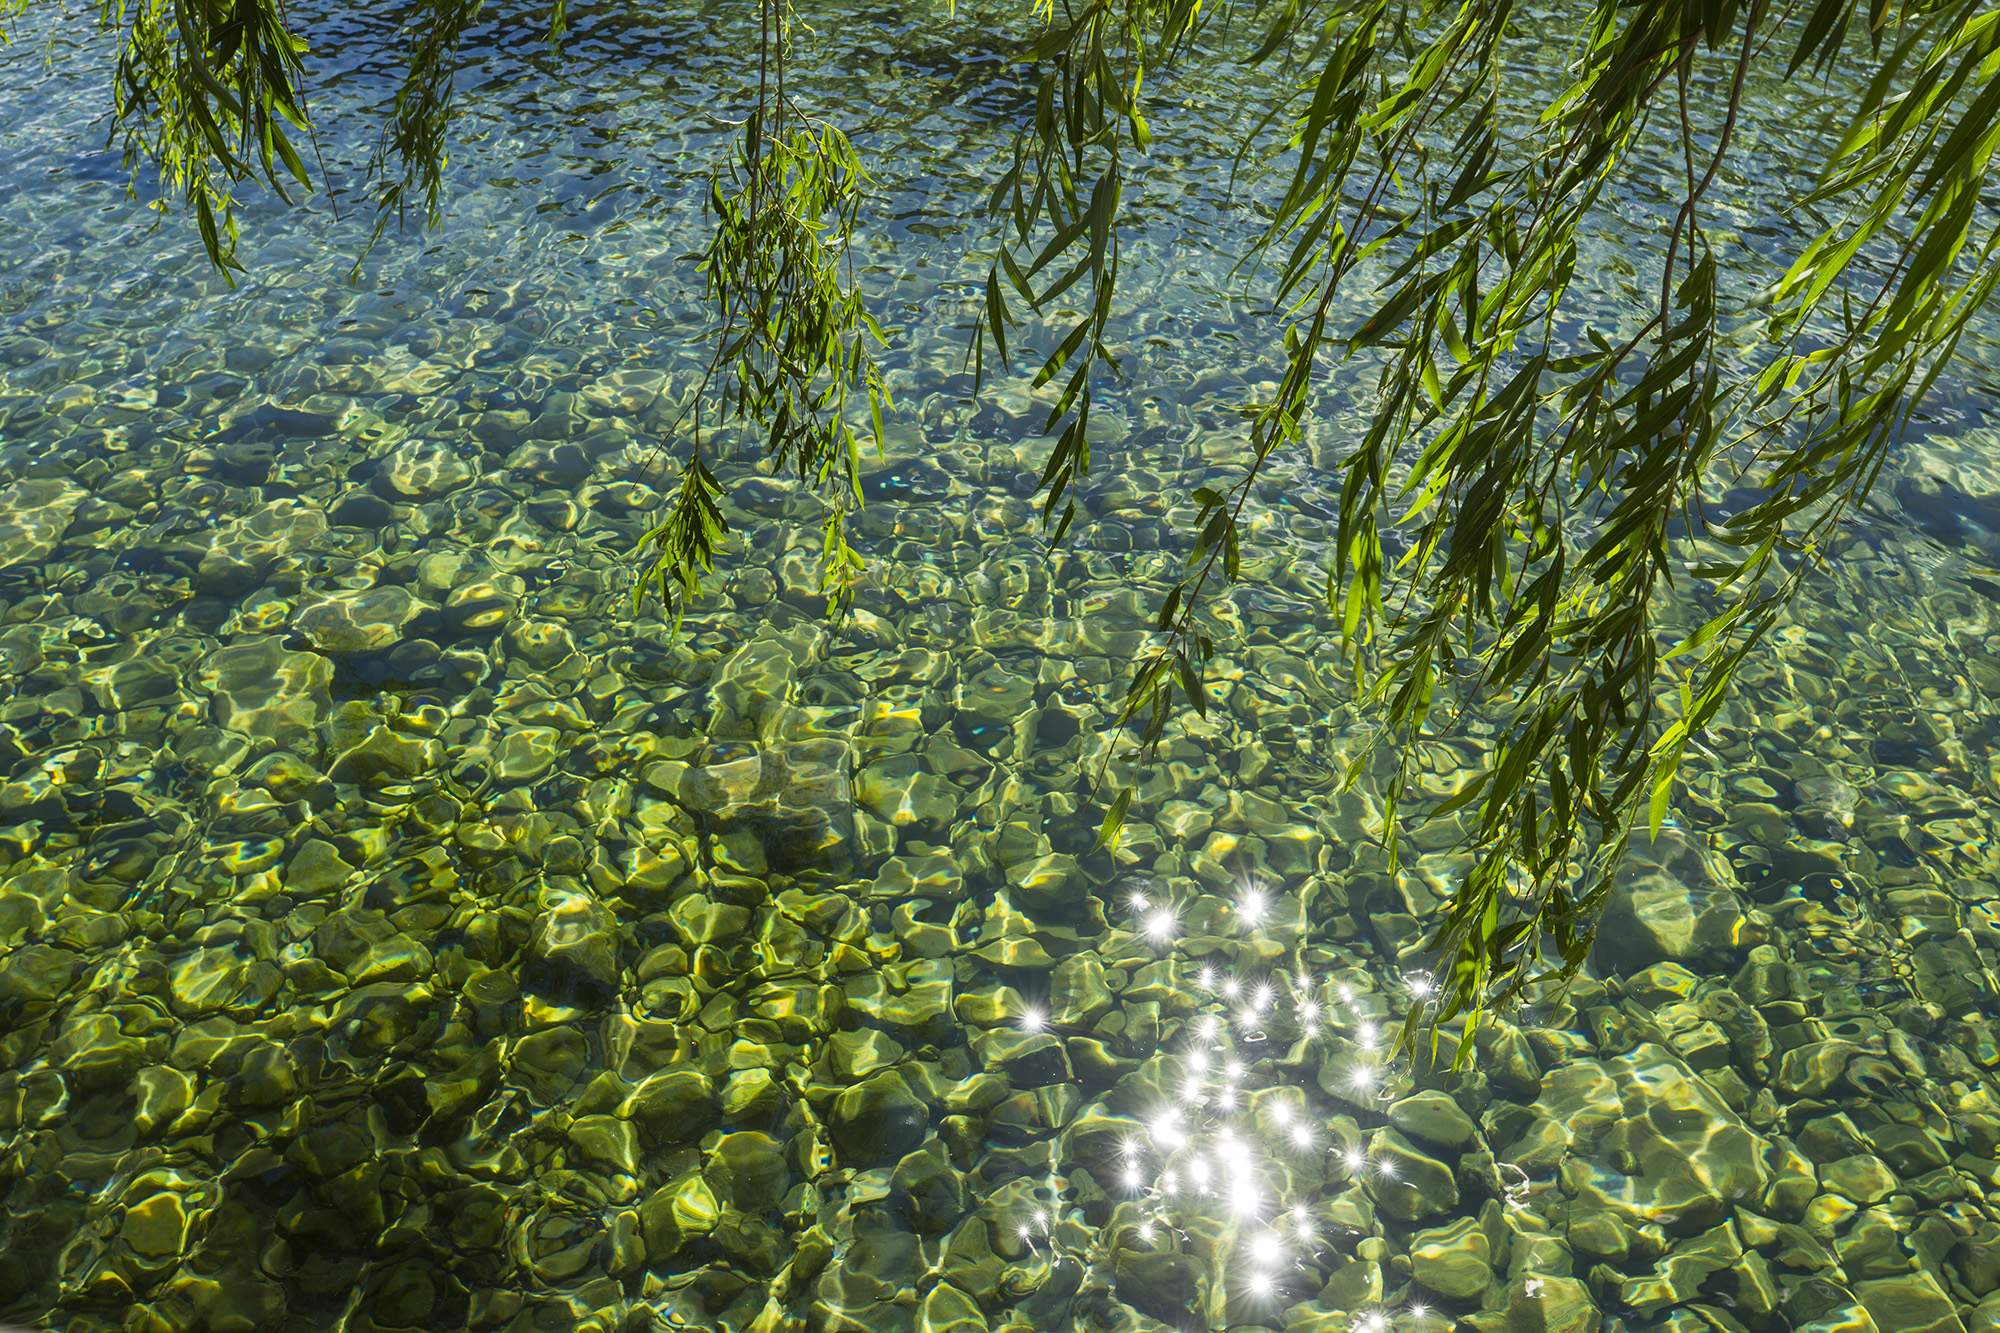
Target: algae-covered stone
365 621
386 756
681 1210
156 1227
576 937
258 688
1433 1117
746 1170
699 920
1028 1059
607 1141
1812 1070
1652 1141
1053 882
422 470
1454 1261
673 1106
1910 1149
750 1094
1673 902
526 753
856 1055
1169 1287
1078 996
1911 1303
33 513
928 1190
315 868
878 1120
936 876
161 1093
94 1051
1861 1178
946 1309
549 1061
1548 1304
1407 1183
903 794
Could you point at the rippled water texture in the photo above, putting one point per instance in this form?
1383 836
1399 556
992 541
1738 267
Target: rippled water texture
395 933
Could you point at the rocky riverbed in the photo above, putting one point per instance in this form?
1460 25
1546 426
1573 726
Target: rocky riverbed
397 931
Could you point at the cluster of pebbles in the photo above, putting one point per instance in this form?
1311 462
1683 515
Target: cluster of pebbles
397 931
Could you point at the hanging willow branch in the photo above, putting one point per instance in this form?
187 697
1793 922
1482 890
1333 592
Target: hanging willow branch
1494 434
793 338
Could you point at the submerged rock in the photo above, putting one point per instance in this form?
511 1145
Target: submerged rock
879 1119
33 514
358 622
1673 902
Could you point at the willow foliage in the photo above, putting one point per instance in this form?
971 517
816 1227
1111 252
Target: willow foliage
1527 488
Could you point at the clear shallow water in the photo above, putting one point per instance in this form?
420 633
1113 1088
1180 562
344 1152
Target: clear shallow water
394 933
